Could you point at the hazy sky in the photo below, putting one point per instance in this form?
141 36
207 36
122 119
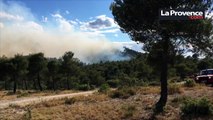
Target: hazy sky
85 15
85 27
95 12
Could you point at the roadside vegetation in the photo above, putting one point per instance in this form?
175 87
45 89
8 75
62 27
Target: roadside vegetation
38 73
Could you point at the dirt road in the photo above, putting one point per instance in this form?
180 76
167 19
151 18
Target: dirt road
32 100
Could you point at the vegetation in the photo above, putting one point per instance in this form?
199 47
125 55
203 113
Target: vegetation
174 88
102 106
189 83
197 107
104 88
163 59
36 72
124 92
162 39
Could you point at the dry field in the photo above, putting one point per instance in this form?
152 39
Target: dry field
101 106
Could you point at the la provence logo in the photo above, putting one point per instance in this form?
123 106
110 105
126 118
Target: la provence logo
181 14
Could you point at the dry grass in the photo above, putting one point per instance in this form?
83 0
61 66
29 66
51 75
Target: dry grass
174 88
101 107
149 90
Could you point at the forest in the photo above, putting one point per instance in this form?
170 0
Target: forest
37 72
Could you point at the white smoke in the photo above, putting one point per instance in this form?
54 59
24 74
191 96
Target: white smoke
21 33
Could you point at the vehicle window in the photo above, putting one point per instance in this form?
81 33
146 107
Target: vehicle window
210 72
204 72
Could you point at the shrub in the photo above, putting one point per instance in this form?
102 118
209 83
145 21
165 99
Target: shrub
180 99
200 107
70 101
189 83
127 81
84 87
174 88
113 83
104 88
154 83
123 93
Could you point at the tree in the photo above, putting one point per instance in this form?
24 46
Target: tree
67 66
205 63
53 67
17 67
4 71
139 19
37 63
20 64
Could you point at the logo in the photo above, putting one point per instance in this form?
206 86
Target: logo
181 14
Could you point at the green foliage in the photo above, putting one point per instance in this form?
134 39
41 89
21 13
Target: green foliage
53 66
123 93
153 83
67 62
182 70
37 63
83 87
189 83
145 18
205 63
113 83
197 107
96 78
104 88
128 81
53 76
162 38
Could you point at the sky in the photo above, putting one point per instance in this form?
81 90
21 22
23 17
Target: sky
53 27
85 27
78 11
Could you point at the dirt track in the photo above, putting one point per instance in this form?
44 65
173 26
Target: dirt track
27 101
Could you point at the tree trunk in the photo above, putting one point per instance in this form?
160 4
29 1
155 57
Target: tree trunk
34 84
53 83
22 83
68 83
25 84
14 84
163 79
5 84
39 82
49 86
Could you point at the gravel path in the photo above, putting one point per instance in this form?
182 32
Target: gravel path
27 101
